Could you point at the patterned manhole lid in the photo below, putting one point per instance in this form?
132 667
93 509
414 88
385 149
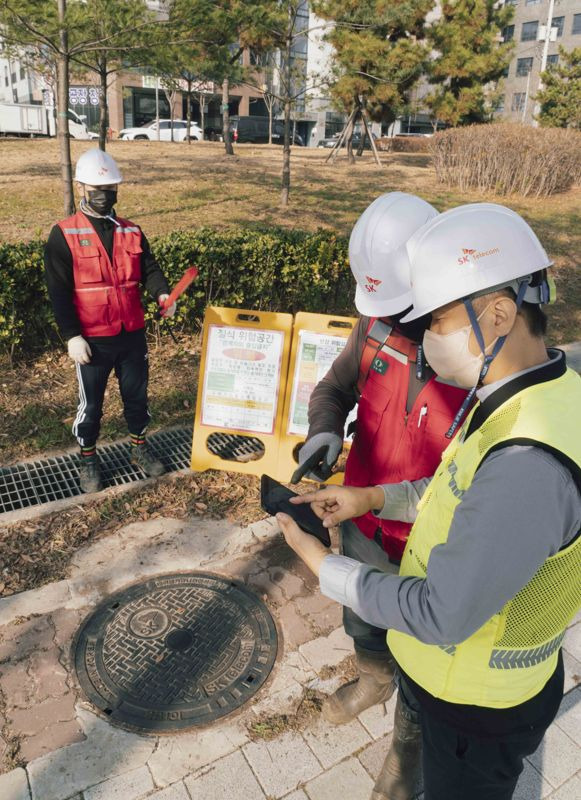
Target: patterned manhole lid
175 651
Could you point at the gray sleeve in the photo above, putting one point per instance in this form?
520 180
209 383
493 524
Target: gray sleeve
401 499
522 507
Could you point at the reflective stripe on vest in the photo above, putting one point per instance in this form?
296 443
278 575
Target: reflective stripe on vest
78 230
390 444
511 657
514 659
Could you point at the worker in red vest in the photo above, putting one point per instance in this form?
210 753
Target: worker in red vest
95 262
403 416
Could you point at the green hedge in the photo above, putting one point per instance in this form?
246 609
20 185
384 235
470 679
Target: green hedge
270 270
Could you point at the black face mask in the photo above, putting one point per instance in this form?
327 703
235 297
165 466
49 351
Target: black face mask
102 200
413 330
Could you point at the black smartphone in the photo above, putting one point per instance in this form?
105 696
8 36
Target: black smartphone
274 497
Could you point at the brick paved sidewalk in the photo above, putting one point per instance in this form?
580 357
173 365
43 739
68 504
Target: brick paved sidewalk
71 753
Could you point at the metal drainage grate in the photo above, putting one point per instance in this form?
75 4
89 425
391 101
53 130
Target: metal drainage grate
38 482
175 651
234 447
57 478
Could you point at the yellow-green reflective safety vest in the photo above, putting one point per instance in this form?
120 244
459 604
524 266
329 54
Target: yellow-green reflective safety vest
511 657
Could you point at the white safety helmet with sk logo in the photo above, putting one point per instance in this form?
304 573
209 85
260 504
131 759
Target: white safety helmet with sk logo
473 250
377 253
97 168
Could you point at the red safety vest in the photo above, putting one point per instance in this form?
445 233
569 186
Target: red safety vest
106 294
391 445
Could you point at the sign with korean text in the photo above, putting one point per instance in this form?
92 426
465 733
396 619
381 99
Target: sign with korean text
242 378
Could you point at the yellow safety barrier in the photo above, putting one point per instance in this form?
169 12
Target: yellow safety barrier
317 341
241 389
257 372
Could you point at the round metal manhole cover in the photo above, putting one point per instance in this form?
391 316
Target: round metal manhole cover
175 651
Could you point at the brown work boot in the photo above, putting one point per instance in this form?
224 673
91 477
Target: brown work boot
400 774
375 684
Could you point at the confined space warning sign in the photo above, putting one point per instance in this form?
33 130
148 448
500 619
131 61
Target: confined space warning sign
241 378
316 352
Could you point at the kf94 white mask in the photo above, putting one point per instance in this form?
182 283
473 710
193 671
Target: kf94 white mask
449 356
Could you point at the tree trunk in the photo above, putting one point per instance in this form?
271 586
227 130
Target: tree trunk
170 97
349 139
226 117
202 115
287 113
270 121
62 112
188 110
362 139
103 108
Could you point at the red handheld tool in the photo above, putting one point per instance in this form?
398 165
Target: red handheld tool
189 275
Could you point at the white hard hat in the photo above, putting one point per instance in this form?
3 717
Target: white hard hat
470 250
377 254
97 168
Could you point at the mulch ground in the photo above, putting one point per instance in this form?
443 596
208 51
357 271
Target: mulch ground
36 552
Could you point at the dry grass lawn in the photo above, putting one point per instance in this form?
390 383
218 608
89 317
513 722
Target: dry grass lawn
175 186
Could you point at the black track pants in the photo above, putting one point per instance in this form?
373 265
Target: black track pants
127 355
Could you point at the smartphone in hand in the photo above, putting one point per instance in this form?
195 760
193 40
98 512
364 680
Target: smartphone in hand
274 497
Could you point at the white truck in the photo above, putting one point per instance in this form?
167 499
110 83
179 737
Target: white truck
20 119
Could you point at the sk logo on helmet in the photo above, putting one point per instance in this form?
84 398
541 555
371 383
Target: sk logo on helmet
472 255
373 282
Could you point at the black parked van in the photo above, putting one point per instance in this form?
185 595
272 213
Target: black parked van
255 130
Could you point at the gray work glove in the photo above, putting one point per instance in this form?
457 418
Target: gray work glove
79 350
317 457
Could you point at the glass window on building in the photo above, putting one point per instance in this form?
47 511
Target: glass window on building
532 2
559 24
518 101
552 61
529 31
508 33
499 106
576 24
22 73
510 2
505 71
523 66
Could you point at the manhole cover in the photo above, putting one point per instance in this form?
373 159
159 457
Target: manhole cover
175 651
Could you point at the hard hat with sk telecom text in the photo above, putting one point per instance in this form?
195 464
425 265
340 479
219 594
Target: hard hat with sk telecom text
97 168
377 254
470 249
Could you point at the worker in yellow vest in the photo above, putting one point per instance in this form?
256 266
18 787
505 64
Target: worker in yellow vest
490 576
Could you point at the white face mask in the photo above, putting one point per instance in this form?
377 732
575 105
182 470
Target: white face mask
449 356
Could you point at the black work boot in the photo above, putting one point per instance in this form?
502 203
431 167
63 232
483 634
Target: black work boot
375 684
142 457
90 474
400 774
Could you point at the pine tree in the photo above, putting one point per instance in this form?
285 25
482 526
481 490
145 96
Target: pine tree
379 53
53 32
469 60
125 26
560 97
